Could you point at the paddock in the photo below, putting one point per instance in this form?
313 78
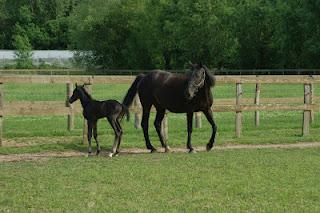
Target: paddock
266 154
308 102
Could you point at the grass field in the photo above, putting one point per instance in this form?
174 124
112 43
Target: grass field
52 134
268 180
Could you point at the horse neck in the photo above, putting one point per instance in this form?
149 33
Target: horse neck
85 99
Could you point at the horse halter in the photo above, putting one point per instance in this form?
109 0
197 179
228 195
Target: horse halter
193 86
201 82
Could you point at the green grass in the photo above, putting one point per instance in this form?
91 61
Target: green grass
276 127
268 180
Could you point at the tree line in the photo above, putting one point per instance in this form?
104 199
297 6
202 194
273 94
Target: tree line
148 34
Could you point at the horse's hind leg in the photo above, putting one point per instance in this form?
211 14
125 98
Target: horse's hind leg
145 127
95 135
121 132
209 117
117 133
157 124
90 126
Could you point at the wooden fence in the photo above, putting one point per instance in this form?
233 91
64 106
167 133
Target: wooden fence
308 104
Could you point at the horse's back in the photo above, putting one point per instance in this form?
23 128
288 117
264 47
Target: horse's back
160 78
163 89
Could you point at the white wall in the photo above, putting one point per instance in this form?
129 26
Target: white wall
56 57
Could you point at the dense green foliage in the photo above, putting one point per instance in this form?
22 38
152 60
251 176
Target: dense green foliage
166 34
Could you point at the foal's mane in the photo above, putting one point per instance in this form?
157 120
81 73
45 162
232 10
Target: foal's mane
84 92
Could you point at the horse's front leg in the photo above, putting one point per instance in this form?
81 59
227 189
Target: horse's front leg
208 114
189 123
89 135
95 135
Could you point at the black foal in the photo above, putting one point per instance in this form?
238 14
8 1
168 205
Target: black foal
94 110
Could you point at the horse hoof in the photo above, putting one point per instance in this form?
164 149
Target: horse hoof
98 152
110 155
153 150
167 149
209 147
192 151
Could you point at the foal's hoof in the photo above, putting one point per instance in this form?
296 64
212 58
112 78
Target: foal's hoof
111 154
209 147
167 149
98 152
192 151
153 150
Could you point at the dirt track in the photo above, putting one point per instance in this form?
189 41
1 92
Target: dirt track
47 155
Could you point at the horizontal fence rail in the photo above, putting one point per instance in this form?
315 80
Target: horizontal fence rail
306 104
79 71
245 79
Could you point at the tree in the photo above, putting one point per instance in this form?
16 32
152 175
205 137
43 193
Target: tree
23 52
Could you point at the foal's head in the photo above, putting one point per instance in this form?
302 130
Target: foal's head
78 92
196 80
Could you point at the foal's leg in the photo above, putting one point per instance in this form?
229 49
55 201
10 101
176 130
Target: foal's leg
208 114
157 124
90 126
112 121
95 135
189 123
145 127
120 138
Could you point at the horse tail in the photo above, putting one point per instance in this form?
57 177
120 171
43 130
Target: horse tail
128 99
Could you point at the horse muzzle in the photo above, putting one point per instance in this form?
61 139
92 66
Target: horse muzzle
71 100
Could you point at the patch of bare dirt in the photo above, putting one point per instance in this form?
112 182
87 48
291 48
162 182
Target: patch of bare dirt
48 155
34 141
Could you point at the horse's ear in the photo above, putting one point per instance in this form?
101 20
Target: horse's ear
76 85
190 65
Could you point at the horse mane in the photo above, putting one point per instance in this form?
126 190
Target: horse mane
197 79
84 91
210 78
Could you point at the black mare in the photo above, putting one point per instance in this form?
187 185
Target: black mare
178 93
94 110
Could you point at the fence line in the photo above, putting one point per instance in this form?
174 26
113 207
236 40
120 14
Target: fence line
245 79
237 105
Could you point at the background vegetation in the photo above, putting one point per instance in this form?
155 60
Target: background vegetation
166 34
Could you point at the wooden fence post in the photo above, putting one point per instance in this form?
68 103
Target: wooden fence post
137 114
306 113
164 127
71 113
198 120
85 125
257 102
1 109
238 112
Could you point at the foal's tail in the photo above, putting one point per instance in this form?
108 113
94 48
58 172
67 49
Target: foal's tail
128 99
125 111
